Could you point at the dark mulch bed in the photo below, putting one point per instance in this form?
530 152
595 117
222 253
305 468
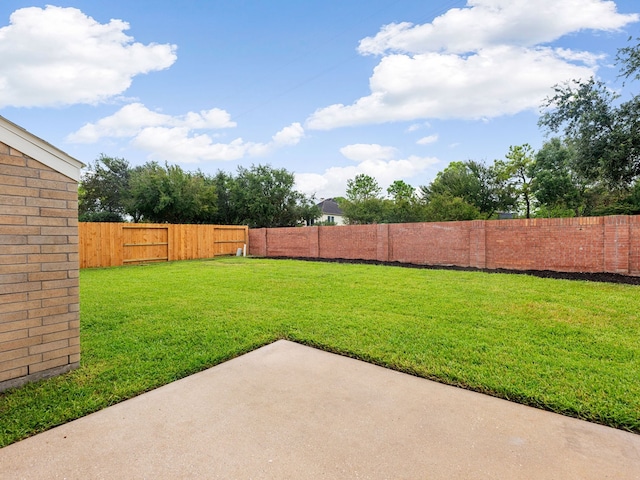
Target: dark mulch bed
590 277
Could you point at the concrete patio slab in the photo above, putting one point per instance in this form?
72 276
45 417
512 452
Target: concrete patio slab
289 411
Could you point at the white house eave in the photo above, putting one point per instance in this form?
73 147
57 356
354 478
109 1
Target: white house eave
27 143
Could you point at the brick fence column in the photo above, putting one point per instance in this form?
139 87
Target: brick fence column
478 244
382 254
616 244
634 245
314 241
258 242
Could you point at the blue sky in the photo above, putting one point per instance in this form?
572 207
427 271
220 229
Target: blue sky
326 89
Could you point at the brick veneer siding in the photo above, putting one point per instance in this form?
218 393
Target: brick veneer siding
588 244
39 301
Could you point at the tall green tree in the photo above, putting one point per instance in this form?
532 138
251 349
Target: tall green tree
363 203
104 193
226 211
264 196
604 131
456 180
401 191
558 190
630 205
443 207
517 173
403 205
309 210
363 187
475 183
170 195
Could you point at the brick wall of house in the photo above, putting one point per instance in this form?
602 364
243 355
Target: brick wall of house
588 244
39 301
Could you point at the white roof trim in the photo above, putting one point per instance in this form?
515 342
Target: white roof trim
36 148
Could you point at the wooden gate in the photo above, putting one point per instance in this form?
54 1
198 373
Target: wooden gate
145 243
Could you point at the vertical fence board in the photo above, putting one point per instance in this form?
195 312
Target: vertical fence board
145 243
115 244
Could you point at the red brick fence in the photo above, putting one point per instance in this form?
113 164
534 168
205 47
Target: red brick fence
586 244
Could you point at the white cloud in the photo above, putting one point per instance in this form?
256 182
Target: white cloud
428 140
179 144
174 138
290 135
587 58
361 152
486 60
131 119
384 168
496 81
485 23
331 183
60 56
417 126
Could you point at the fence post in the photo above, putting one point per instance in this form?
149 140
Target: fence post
382 254
616 244
314 241
171 231
478 244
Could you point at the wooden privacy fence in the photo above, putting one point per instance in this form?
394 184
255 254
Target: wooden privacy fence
115 244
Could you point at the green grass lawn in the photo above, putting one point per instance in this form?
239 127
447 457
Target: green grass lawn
566 346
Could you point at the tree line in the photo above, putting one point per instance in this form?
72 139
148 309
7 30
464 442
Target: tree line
261 196
526 184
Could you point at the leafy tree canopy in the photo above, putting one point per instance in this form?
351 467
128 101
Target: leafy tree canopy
443 207
557 189
516 173
604 131
104 190
260 196
400 191
628 58
475 183
169 194
363 187
265 197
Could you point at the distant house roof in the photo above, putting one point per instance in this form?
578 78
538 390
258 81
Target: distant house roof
36 148
329 206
